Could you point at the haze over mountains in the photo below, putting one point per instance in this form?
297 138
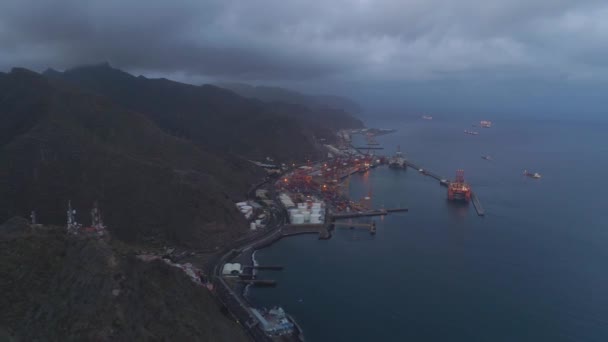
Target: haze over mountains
165 160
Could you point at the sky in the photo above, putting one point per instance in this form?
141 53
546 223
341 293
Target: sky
519 56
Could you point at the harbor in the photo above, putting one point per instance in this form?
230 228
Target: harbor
313 199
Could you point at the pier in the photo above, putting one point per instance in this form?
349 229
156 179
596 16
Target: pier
369 148
259 282
477 204
296 229
444 182
264 267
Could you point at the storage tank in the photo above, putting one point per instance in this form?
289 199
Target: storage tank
315 218
297 219
316 205
306 216
253 226
258 222
315 210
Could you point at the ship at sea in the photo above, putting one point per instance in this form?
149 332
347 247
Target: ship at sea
535 175
397 161
427 117
485 124
470 132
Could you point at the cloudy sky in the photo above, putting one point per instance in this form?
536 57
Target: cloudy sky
383 50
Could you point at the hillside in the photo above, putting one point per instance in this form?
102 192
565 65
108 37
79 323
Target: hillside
59 143
207 115
331 111
94 290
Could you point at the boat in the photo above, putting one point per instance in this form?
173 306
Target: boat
427 117
485 124
274 322
486 157
470 132
397 161
535 175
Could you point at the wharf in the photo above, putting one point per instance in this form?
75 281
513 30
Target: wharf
445 182
259 282
374 212
442 180
296 229
368 148
264 267
477 204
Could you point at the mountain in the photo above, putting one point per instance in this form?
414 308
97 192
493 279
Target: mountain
207 115
61 288
278 94
327 110
59 142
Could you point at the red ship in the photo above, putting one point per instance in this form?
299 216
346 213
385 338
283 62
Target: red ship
458 190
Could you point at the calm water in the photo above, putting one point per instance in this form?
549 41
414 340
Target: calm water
534 269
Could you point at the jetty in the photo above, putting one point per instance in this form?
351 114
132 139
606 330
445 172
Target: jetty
444 182
477 204
297 229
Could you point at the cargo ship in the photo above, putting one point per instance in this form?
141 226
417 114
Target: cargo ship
427 117
397 161
535 175
470 132
486 157
485 124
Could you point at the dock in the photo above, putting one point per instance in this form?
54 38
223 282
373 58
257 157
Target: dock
366 213
444 182
264 267
369 148
426 172
477 204
296 229
259 282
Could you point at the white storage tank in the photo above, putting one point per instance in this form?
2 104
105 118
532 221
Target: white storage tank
315 218
258 222
253 226
316 205
298 219
293 211
315 210
306 216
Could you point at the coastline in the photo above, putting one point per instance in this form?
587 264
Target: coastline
244 252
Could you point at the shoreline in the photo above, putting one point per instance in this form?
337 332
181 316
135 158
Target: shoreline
246 253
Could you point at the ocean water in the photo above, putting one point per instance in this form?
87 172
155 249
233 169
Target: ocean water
535 268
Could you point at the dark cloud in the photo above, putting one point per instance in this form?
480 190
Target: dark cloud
338 41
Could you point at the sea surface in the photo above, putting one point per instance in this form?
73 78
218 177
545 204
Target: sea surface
535 268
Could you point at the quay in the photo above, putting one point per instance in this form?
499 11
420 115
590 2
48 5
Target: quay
477 204
444 182
264 267
373 212
259 282
297 229
368 148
